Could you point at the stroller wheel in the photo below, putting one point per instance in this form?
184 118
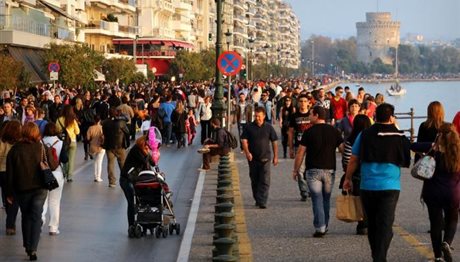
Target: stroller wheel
131 231
177 229
158 231
171 228
164 232
138 231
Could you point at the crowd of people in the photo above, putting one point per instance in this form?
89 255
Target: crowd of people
313 123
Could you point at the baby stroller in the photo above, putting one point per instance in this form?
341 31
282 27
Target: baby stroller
153 206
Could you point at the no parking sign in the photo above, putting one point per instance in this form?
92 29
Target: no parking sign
229 63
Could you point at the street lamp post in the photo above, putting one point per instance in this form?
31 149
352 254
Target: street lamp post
218 106
251 44
266 46
228 36
135 49
279 59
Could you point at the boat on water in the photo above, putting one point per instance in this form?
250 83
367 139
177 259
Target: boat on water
396 89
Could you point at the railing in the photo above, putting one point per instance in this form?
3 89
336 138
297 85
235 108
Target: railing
25 24
409 115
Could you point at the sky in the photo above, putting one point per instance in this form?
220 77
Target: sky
434 19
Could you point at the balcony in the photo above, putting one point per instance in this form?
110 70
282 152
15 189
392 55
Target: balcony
163 32
183 5
240 31
165 6
180 26
126 5
21 30
111 29
240 18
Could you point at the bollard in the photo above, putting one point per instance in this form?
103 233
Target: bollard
224 170
223 207
223 183
224 246
225 199
224 218
224 176
227 190
224 258
224 230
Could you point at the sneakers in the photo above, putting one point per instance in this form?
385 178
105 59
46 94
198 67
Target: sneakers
319 234
204 150
54 233
446 251
98 180
112 185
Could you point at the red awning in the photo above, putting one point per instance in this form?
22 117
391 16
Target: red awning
161 65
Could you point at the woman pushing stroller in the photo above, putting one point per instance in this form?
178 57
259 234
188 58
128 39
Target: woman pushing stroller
139 158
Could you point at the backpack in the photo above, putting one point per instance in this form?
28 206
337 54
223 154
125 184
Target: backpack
51 155
230 139
64 136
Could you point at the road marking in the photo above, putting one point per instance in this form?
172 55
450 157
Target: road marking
421 248
244 243
186 244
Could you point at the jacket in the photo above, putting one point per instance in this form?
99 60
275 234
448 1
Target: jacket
382 143
115 132
23 168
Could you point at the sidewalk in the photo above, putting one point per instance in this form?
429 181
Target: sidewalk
284 230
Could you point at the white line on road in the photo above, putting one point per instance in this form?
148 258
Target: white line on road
186 244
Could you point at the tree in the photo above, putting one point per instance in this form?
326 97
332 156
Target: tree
10 72
77 62
193 66
121 69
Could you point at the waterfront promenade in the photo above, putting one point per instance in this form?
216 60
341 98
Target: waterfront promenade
94 227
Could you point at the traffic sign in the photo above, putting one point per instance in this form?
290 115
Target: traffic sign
54 76
229 63
54 67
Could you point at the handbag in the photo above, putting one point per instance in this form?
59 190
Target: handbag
349 208
425 166
50 181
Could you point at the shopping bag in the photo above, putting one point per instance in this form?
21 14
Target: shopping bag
349 208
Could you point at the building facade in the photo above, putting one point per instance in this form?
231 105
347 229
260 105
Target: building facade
376 36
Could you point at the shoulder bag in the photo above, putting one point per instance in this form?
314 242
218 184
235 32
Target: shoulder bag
425 166
50 181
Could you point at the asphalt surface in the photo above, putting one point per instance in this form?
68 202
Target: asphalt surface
93 217
283 231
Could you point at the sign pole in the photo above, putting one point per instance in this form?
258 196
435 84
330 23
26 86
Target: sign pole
229 96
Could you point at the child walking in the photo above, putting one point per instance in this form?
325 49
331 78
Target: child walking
190 126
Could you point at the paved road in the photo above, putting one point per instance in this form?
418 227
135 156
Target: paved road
93 217
283 231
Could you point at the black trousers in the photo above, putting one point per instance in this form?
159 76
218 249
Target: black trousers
259 172
380 208
440 222
128 190
206 130
31 204
241 128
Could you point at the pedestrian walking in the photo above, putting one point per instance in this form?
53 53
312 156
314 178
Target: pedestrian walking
115 133
382 150
25 184
256 139
9 135
441 193
96 140
178 119
299 123
205 115
53 200
190 125
68 123
317 148
244 114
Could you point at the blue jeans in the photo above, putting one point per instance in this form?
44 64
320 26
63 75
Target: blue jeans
320 182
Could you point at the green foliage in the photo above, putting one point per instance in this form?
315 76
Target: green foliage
412 59
120 68
193 66
10 72
77 62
